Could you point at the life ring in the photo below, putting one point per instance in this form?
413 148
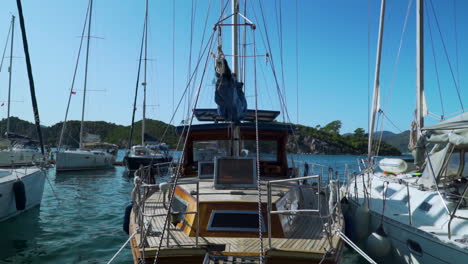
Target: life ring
20 195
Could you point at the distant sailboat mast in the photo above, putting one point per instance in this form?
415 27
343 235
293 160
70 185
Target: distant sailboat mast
86 73
376 96
10 71
143 127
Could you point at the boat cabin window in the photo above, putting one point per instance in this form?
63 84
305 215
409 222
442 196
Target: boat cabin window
209 150
268 149
453 165
246 221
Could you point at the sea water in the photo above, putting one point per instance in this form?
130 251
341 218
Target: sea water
81 215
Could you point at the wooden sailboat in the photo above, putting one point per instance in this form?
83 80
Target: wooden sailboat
22 188
21 150
414 212
148 153
233 198
90 155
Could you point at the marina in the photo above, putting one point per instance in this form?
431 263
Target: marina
223 141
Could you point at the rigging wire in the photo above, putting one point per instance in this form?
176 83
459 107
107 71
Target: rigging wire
6 45
394 73
179 166
279 23
436 68
137 84
446 55
456 41
173 51
192 23
259 191
74 78
297 61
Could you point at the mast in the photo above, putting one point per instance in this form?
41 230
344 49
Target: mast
10 71
376 95
144 78
30 76
419 66
86 73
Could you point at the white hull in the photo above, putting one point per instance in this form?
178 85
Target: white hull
9 158
33 180
428 231
83 160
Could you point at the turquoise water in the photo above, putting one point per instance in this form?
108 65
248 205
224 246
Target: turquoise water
84 225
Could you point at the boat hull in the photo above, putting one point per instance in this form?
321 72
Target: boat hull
10 158
33 180
134 163
83 160
400 233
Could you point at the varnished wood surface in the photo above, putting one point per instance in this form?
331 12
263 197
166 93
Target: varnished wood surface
305 241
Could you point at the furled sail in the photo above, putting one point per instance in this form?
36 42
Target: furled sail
228 95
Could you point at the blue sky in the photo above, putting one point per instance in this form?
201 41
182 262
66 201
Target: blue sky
333 58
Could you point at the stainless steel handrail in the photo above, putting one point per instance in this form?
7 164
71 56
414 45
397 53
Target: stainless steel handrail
269 201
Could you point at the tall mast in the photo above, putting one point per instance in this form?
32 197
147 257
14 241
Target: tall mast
86 73
420 66
235 44
144 78
10 71
376 95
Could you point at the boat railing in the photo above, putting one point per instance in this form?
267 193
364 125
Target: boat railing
315 212
453 214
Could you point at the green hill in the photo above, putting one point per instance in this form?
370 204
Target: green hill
317 140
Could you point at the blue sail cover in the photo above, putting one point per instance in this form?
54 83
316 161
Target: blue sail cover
229 95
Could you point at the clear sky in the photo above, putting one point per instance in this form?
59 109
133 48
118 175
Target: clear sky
333 53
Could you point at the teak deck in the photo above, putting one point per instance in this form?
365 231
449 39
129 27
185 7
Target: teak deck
306 241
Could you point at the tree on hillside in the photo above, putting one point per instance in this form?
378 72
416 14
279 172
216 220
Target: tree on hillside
332 127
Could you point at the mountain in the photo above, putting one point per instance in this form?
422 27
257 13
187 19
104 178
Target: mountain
399 141
317 140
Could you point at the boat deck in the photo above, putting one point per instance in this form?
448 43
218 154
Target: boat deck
306 240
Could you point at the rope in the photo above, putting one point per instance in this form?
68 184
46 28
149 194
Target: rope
435 66
173 52
455 30
297 61
6 45
446 54
259 191
179 167
355 247
121 248
397 60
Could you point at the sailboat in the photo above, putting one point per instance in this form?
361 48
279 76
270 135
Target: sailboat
22 150
233 198
150 152
414 212
22 188
89 155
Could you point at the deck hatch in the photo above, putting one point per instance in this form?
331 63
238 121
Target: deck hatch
243 221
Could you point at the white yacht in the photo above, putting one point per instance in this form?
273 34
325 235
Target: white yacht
22 151
20 190
91 154
414 212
